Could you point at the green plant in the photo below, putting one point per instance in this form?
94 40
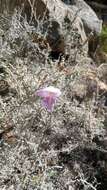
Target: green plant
103 39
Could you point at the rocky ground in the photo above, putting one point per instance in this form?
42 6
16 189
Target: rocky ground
62 150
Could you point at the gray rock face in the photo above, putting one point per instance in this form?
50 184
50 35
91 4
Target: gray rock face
59 11
87 15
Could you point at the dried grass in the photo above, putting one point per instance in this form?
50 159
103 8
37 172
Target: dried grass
30 157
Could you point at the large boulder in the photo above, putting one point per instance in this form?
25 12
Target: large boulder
92 24
100 7
87 15
54 10
59 11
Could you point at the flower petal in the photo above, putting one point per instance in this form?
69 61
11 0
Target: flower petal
49 103
52 91
49 95
42 93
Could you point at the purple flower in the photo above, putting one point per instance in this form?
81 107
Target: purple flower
49 95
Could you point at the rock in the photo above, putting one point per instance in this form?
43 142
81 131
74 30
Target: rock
87 15
54 12
102 72
101 85
100 7
92 23
84 90
27 7
88 86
